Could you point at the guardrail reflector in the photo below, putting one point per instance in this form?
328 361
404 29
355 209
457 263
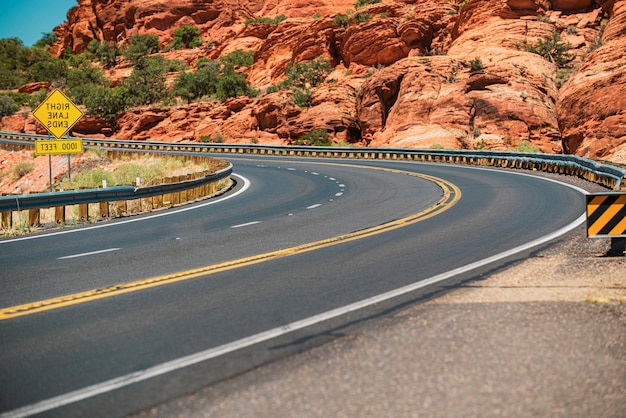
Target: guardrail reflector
606 215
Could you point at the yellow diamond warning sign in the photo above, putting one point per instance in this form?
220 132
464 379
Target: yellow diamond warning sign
57 114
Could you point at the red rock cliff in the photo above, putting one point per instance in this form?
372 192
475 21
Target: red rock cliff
417 74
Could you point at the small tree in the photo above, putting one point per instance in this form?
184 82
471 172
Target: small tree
146 84
551 48
105 52
105 101
7 105
141 45
308 74
186 36
47 39
232 84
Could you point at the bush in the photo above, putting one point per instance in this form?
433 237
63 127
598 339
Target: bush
476 65
266 20
551 48
362 3
211 79
341 20
23 168
317 137
239 58
308 74
301 97
105 52
232 84
105 101
186 36
146 84
12 65
47 40
7 105
141 45
361 17
525 146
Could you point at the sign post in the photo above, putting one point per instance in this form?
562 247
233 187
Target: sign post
58 114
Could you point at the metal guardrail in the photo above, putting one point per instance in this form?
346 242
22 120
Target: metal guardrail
73 197
599 172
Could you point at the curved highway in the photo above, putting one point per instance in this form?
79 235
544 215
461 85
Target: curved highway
118 316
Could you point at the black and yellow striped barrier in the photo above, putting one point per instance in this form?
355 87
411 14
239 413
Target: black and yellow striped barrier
606 215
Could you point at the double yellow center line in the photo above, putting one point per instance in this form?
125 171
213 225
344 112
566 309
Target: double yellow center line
451 195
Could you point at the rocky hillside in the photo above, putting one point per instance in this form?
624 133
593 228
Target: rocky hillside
467 74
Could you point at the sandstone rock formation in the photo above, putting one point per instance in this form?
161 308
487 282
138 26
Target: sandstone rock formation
434 73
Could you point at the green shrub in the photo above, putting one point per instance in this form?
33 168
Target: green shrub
362 3
232 84
317 137
104 101
301 97
141 45
47 40
341 20
239 58
186 36
526 146
476 65
211 79
7 105
23 168
308 74
266 20
361 17
105 52
551 48
146 84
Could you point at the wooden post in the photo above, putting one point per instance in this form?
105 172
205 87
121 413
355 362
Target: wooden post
6 221
175 196
104 209
59 214
33 217
83 211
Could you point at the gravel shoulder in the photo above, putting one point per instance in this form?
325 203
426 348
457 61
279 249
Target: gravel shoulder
543 337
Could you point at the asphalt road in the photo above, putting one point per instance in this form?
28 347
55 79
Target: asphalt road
122 353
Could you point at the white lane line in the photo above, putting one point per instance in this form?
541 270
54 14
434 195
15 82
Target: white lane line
291 169
190 360
317 205
108 250
245 187
339 194
246 224
314 173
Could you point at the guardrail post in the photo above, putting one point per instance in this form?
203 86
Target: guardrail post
122 207
83 211
33 217
104 209
175 196
59 214
6 220
167 197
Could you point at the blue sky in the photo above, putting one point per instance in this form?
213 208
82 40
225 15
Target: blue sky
29 19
